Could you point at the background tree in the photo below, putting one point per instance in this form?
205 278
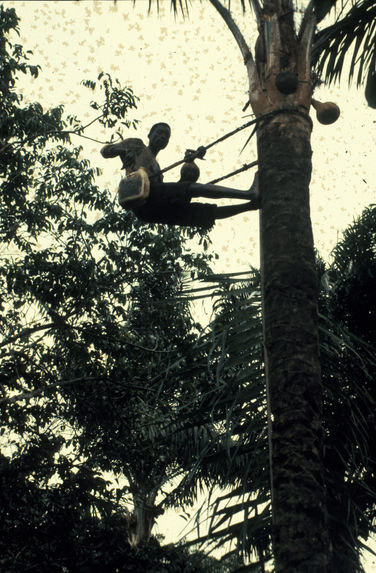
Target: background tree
348 301
93 344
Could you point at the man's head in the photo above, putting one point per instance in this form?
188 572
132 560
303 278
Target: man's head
159 136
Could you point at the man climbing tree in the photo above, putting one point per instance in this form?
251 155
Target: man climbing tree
281 86
153 201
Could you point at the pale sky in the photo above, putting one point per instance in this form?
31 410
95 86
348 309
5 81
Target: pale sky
190 73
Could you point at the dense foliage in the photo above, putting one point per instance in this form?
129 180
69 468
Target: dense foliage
347 348
114 405
348 301
93 339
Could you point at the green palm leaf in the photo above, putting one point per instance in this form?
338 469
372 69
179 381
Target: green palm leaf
240 462
352 36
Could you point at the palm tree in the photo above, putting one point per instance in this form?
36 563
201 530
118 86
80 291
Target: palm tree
347 349
289 298
280 94
291 347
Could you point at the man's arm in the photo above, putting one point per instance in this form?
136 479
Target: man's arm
109 151
114 149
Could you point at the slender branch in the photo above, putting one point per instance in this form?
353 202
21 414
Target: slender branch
129 477
38 391
86 137
32 330
60 323
92 121
128 343
22 142
76 131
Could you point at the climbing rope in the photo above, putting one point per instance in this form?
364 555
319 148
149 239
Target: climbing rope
244 168
200 151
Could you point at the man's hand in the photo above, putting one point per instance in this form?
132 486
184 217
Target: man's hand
191 154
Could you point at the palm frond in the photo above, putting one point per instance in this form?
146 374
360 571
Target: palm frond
176 5
240 461
353 35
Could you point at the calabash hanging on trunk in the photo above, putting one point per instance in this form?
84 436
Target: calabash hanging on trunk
327 112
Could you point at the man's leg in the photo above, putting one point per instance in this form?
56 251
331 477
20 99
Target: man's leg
231 210
211 191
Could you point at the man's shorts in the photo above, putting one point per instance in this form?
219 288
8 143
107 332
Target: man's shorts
170 204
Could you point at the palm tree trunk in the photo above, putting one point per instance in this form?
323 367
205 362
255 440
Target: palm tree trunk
145 514
291 346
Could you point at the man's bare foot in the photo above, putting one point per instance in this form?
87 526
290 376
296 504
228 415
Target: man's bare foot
254 192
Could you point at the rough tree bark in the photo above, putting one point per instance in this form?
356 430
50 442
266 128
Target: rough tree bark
291 346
